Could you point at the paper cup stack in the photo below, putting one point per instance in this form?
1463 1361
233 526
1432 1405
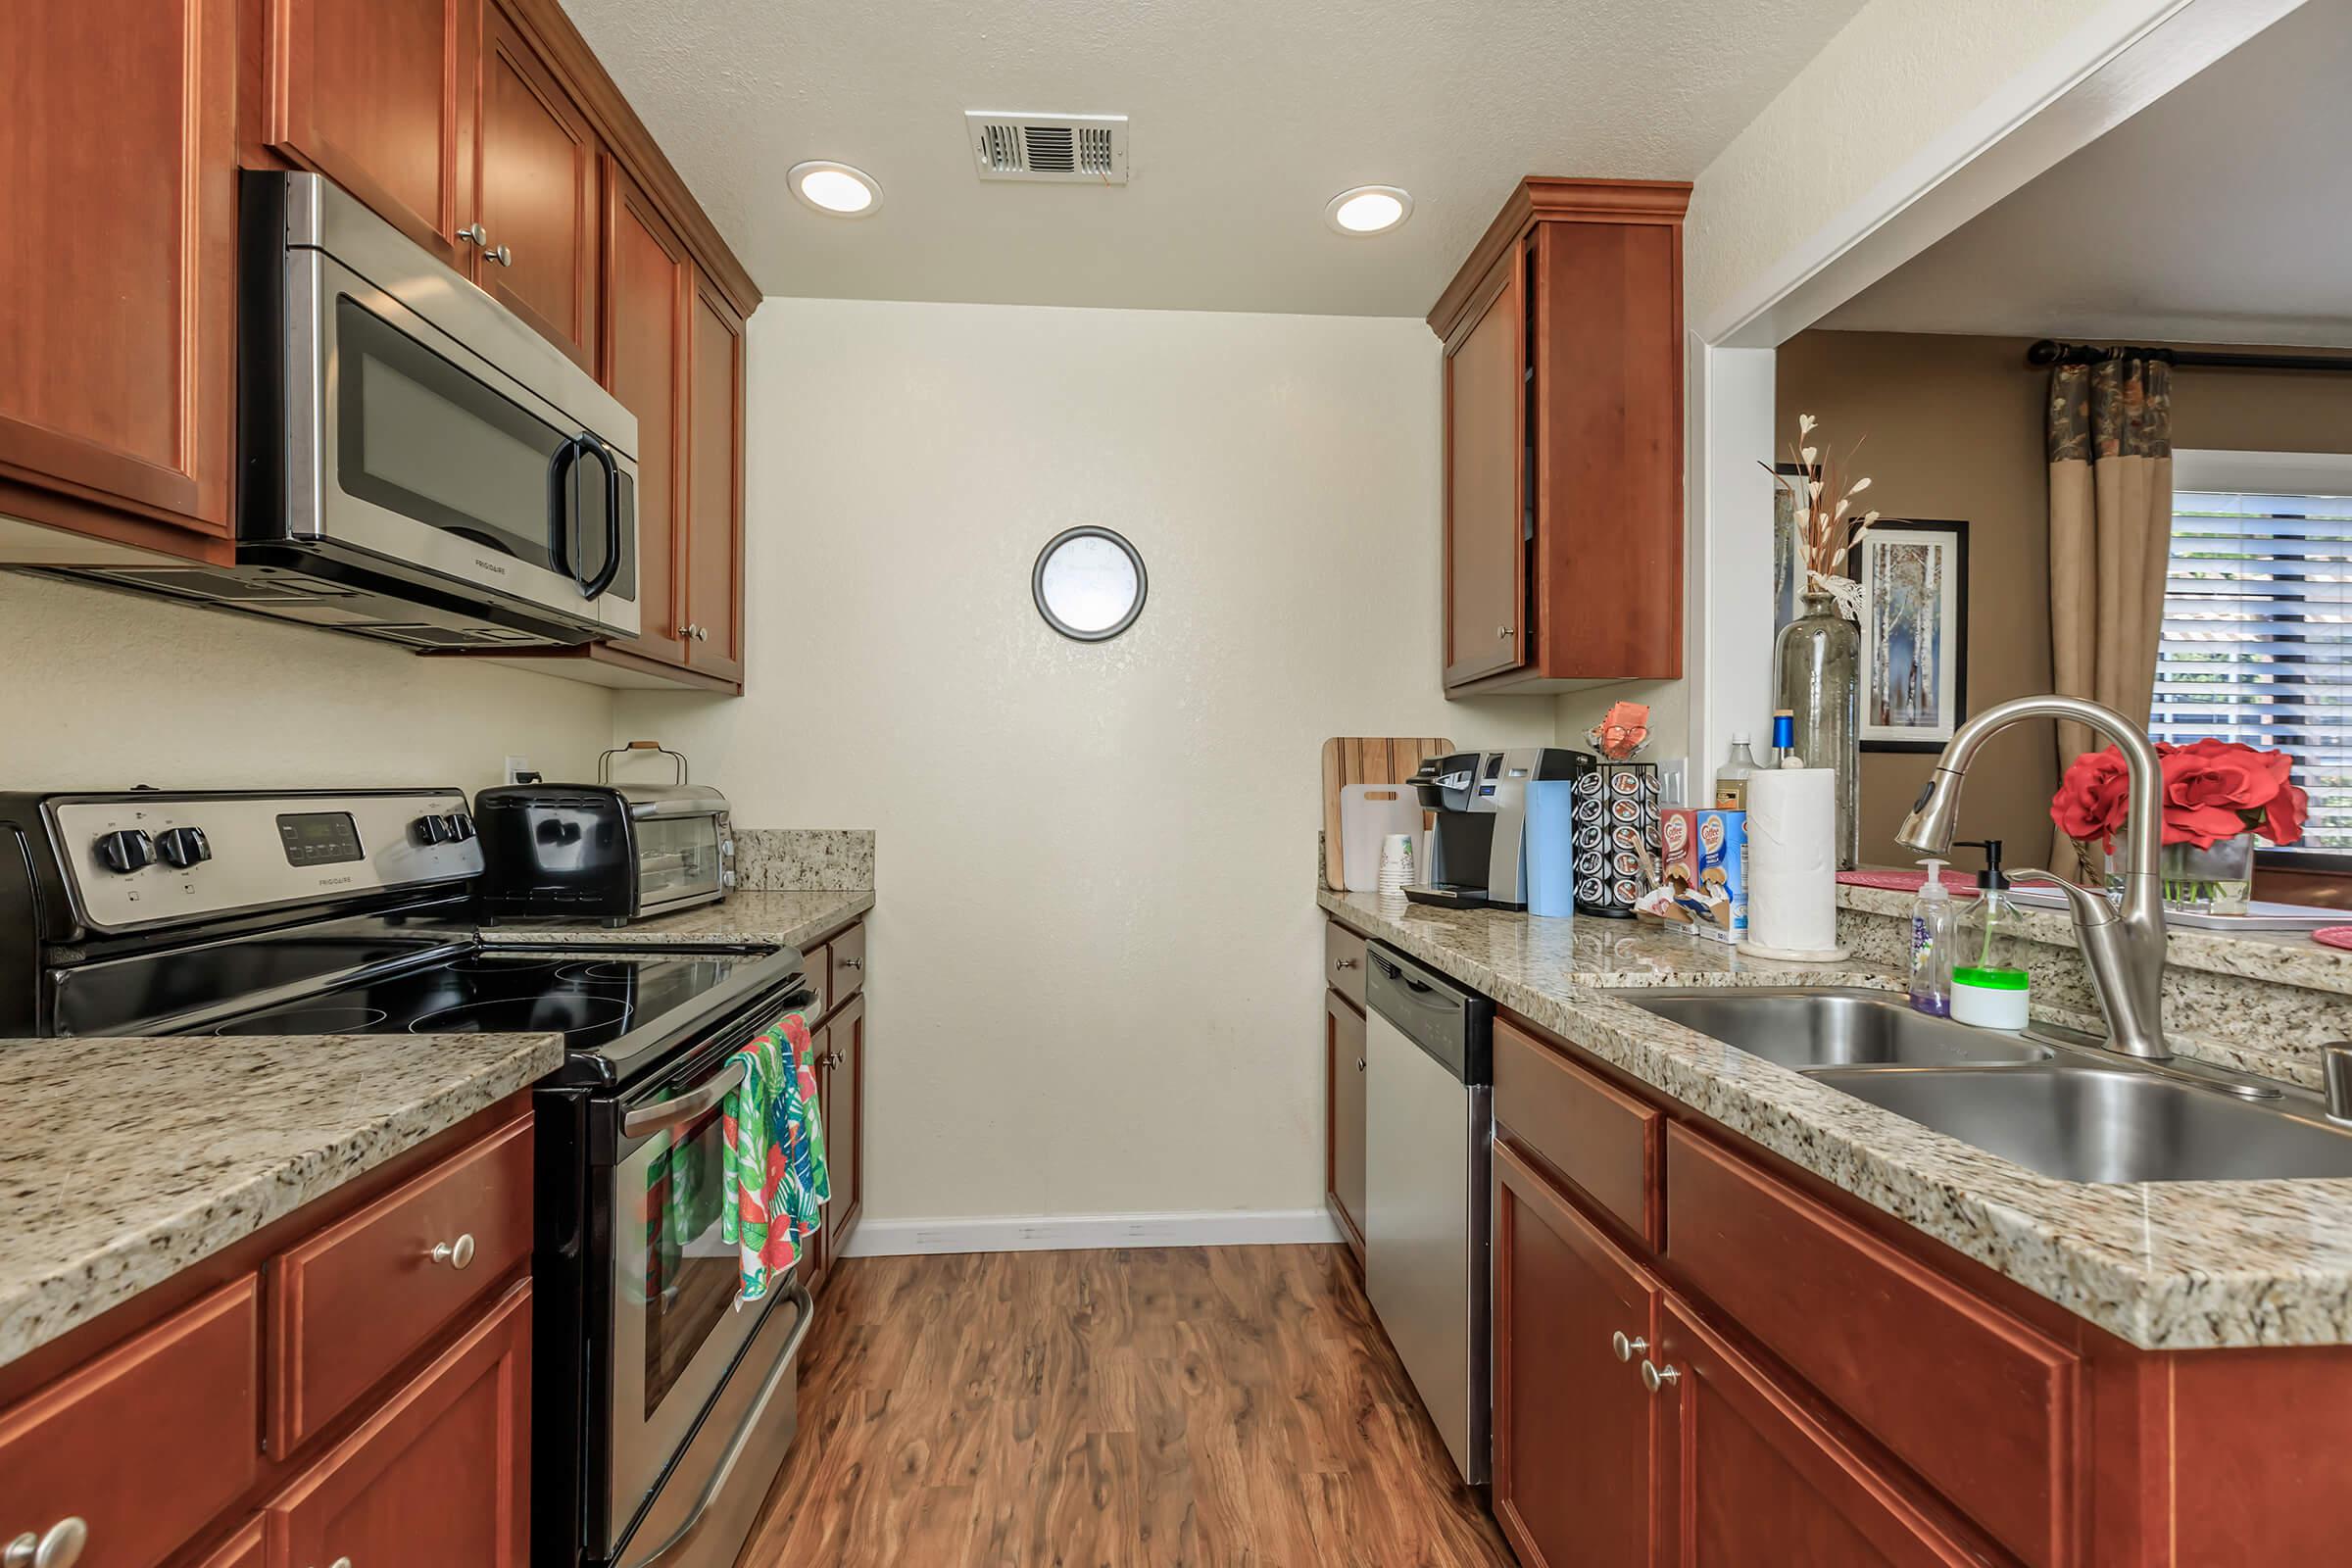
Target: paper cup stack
1396 864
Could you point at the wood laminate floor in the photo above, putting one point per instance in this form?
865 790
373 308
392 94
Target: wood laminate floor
1149 1408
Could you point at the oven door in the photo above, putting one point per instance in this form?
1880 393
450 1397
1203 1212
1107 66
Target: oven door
676 1330
454 446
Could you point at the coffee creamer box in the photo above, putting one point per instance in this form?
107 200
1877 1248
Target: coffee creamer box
1704 860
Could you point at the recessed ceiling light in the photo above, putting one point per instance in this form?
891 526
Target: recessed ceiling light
1368 210
835 189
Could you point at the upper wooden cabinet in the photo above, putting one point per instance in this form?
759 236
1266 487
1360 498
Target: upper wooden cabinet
117 318
713 455
538 190
648 285
380 97
1563 440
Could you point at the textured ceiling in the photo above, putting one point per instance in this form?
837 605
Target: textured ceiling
1248 117
2220 214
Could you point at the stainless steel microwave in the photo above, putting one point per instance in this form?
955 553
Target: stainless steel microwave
414 462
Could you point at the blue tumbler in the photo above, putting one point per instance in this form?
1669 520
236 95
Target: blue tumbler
1550 847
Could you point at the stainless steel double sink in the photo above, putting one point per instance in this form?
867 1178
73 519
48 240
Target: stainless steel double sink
2048 1100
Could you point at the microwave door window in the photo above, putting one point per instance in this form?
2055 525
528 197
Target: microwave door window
420 437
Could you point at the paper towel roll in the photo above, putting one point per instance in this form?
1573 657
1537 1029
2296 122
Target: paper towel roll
1792 860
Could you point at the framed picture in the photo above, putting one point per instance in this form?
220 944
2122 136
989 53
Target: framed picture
1914 576
1788 558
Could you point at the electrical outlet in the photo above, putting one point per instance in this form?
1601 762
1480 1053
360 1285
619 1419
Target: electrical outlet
1674 778
516 766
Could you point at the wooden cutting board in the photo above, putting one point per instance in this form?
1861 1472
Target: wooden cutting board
1365 760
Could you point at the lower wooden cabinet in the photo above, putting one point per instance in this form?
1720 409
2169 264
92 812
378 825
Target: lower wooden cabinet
1344 1130
247 1548
1576 1460
439 1474
841 1088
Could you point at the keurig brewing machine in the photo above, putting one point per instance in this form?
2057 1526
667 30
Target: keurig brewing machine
1478 854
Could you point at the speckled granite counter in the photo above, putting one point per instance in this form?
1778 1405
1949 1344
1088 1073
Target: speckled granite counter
787 919
2167 1265
138 1157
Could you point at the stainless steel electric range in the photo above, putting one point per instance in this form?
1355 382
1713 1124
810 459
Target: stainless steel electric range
661 1408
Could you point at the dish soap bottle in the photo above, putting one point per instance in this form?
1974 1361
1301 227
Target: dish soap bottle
1986 990
1731 779
1932 917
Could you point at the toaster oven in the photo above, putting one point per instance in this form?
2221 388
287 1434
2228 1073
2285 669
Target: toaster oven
608 853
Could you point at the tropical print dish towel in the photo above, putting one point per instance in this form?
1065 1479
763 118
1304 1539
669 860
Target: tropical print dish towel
775 1185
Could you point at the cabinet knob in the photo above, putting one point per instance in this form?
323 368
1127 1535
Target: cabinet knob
473 235
500 254
1654 1376
1503 632
1627 1348
59 1547
702 634
340 1562
1359 1065
457 1254
853 963
1345 963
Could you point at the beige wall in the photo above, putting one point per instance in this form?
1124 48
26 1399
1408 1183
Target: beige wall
104 690
1096 953
1955 428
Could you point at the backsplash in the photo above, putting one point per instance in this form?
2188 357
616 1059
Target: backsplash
805 859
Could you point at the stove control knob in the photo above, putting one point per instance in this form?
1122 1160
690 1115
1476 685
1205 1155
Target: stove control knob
125 849
461 827
183 846
430 830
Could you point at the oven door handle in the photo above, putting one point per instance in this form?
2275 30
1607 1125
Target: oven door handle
753 1419
669 1112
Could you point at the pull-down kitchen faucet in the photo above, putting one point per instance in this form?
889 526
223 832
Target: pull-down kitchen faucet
2123 945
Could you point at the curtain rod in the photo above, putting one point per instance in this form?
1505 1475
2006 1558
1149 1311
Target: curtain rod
2050 352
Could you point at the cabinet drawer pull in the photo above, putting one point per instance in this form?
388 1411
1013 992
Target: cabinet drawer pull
1345 963
1359 1065
1627 1348
340 1562
473 235
60 1547
853 963
457 1254
1654 1376
500 254
1503 632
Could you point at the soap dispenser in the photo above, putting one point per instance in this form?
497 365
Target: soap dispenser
1987 989
1931 918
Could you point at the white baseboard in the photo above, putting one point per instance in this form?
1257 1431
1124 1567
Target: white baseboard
1062 1233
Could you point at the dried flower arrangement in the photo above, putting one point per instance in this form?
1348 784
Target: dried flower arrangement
1823 501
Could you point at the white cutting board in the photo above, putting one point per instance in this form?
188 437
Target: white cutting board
1370 813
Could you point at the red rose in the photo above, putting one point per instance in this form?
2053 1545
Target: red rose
2282 819
2094 798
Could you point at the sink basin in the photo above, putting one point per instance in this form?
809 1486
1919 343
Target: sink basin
1816 1027
2083 1123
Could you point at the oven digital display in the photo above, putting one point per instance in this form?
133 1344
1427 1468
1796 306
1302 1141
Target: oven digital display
319 838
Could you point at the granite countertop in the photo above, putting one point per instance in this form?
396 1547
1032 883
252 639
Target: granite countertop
141 1156
786 920
2167 1265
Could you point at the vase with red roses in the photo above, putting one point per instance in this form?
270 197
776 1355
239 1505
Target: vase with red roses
2219 797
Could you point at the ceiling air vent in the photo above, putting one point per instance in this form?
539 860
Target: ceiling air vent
1092 148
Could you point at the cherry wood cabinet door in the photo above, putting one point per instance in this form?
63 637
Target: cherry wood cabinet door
649 289
118 164
714 485
1343 1134
537 193
1753 1477
1575 1432
816 1253
380 96
440 1474
244 1550
844 1103
1486 438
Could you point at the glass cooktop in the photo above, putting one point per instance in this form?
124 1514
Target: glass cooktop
591 1001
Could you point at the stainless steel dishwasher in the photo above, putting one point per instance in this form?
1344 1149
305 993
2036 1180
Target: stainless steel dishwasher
1429 1094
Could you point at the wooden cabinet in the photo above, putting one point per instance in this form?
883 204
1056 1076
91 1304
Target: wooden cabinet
1563 447
1343 1127
1752 1477
438 1475
714 458
1575 1461
380 97
116 323
648 285
842 1095
247 1548
845 961
538 194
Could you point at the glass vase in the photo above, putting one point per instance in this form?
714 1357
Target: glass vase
1819 657
2212 881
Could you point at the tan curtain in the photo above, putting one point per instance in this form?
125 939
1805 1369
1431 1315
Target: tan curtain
2111 531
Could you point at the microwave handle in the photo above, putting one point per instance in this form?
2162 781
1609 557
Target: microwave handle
685 1108
593 586
563 503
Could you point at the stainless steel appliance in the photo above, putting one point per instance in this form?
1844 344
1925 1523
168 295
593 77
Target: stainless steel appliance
661 1412
614 852
1429 1056
1478 851
415 464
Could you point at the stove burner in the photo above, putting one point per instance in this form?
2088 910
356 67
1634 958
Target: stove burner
306 1021
607 971
496 963
566 1012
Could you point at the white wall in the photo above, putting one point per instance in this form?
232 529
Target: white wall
1096 954
104 690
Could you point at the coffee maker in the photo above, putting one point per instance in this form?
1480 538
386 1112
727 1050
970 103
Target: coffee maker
1478 855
